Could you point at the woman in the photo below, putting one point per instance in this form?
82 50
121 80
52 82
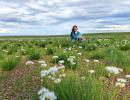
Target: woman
75 34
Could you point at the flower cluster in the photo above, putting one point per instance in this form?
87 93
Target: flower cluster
46 94
51 70
91 71
121 82
113 69
71 60
43 63
55 57
29 63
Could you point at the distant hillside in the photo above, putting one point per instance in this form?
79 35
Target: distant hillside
56 36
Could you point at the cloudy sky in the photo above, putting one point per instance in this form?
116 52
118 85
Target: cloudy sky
54 17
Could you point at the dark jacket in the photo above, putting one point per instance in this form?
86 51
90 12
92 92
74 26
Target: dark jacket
74 36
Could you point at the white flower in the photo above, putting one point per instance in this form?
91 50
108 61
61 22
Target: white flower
44 73
51 70
96 61
91 71
120 84
127 76
73 63
22 49
69 48
86 60
41 62
58 80
49 76
120 69
62 75
121 80
64 50
46 94
80 47
71 60
29 63
17 56
55 57
83 78
61 61
53 78
72 57
113 69
5 51
43 65
79 53
61 67
55 69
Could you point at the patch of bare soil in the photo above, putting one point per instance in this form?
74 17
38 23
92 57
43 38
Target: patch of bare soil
21 83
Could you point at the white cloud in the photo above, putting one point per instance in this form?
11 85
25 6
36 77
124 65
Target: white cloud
99 20
49 16
4 30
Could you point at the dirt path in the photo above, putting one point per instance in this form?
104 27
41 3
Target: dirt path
22 83
125 93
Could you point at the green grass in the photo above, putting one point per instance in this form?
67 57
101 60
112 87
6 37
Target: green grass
64 56
125 47
74 88
97 55
34 54
79 83
117 58
50 50
89 46
9 63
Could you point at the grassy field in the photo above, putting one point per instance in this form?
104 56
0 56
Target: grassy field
54 68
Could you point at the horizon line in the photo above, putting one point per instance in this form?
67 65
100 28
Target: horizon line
63 34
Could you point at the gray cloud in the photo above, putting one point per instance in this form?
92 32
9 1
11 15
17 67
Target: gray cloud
49 16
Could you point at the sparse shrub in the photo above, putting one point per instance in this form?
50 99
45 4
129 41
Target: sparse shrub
72 87
50 50
9 63
66 43
23 51
90 47
70 61
41 43
117 58
62 56
97 55
125 47
34 54
12 50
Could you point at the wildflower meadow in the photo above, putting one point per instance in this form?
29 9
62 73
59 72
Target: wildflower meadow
55 68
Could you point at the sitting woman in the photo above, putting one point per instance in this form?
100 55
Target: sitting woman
75 34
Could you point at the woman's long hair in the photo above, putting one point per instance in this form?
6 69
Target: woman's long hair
73 32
